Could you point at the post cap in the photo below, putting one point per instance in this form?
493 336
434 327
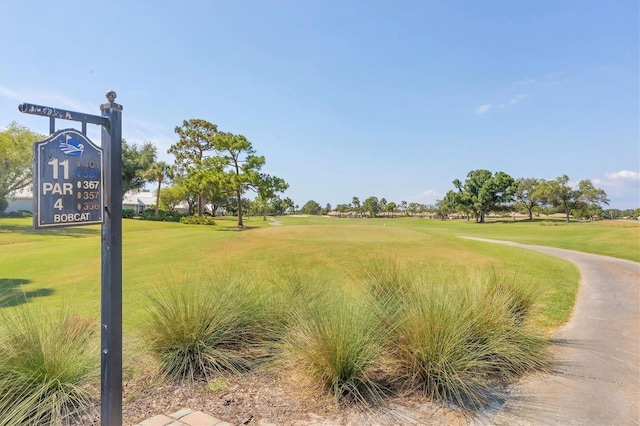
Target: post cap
111 96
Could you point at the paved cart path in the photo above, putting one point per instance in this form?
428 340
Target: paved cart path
595 378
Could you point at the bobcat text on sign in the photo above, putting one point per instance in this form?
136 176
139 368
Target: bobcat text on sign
70 217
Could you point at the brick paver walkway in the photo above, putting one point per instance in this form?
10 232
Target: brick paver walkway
184 417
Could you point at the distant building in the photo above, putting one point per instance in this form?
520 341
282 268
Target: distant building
20 200
138 201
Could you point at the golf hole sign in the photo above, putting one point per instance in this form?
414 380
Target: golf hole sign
67 181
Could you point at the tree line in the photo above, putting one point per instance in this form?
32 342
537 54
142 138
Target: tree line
217 168
483 193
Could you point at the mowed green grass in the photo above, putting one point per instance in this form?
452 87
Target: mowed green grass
619 238
61 267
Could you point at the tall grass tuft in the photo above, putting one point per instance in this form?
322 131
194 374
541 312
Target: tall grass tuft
291 289
44 360
455 342
432 349
516 299
389 285
201 328
334 348
499 312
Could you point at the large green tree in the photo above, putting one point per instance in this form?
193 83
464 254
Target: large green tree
282 206
207 181
355 202
268 188
584 201
16 155
403 207
311 207
171 196
559 194
383 204
240 169
391 208
371 205
590 200
136 161
447 205
196 139
528 194
342 209
483 192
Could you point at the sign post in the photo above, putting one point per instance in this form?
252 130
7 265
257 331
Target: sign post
79 183
111 311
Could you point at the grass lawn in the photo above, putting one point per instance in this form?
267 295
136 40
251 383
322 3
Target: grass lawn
58 271
61 267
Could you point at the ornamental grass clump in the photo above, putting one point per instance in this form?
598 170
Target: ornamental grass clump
389 285
334 349
45 359
432 351
200 329
459 343
289 290
516 299
499 310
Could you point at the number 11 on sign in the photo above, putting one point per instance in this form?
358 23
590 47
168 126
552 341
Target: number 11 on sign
65 168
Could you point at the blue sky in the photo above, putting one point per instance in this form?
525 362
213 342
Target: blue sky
392 99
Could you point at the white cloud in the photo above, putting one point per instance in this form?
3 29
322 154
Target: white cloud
482 109
622 187
135 130
50 99
502 105
517 98
624 175
429 196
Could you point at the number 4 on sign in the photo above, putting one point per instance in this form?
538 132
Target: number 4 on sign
58 204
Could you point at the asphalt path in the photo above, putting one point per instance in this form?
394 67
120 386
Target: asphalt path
595 374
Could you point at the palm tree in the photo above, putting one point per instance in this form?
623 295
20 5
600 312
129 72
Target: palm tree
158 172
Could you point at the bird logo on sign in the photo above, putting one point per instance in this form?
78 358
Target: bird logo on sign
71 147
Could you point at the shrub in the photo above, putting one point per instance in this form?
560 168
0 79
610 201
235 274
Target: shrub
197 220
44 360
199 329
19 214
163 216
128 213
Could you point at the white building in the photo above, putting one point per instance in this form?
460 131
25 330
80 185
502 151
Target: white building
20 200
138 201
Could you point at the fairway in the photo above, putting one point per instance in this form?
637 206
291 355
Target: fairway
61 267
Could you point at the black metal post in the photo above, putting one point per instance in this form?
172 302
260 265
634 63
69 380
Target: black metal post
111 280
